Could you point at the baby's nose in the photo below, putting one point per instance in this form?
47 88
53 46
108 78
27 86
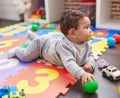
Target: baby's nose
90 30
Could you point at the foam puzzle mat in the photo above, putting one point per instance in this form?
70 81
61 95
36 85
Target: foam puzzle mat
39 78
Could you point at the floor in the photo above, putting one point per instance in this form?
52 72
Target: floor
4 23
107 88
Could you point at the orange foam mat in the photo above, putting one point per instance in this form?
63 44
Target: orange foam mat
42 80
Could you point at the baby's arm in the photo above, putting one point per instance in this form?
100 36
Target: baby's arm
69 62
90 63
88 68
86 76
79 72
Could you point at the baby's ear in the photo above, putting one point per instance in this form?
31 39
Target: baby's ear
71 32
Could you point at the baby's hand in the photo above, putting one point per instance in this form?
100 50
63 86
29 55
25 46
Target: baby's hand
87 76
88 68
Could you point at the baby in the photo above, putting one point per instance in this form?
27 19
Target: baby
73 51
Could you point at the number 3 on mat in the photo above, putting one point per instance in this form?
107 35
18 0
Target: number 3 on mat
42 80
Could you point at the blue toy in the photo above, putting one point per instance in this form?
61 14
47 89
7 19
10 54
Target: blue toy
6 90
111 42
15 94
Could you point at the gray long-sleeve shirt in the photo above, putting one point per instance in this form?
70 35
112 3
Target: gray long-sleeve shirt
71 55
60 52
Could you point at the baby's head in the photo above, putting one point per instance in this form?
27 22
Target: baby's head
70 20
75 26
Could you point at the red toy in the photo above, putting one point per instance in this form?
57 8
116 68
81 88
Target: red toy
116 37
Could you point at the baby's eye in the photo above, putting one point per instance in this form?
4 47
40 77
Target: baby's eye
86 27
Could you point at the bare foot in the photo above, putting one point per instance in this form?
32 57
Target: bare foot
30 35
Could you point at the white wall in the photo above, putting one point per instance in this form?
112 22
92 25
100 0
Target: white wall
103 16
53 9
7 10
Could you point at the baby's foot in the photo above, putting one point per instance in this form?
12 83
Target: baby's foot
30 35
11 53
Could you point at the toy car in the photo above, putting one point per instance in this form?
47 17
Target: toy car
102 64
15 94
111 72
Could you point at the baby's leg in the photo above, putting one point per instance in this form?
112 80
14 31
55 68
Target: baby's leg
11 53
30 35
27 54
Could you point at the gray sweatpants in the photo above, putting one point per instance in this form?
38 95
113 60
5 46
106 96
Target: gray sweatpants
33 51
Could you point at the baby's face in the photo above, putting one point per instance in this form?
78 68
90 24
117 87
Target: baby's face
83 31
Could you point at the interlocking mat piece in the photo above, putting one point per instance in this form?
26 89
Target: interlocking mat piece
99 47
99 42
7 43
10 67
42 79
